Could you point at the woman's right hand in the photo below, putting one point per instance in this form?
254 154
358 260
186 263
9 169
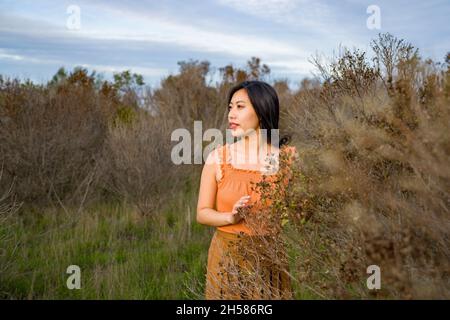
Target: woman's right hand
235 216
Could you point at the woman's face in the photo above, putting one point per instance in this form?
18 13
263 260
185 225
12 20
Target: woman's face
242 118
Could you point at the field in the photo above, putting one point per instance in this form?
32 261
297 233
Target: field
86 179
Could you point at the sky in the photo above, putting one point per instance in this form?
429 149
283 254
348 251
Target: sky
37 37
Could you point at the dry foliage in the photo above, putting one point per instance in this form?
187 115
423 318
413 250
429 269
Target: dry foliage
372 183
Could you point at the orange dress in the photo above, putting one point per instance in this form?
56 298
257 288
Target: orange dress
226 268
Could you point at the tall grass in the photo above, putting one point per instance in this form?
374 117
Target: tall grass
373 179
121 253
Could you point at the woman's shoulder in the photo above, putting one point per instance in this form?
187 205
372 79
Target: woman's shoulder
216 155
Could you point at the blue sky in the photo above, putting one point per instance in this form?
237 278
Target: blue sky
150 37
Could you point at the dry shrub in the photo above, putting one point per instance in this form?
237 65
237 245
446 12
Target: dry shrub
8 208
374 156
50 137
81 139
259 267
371 185
188 97
137 165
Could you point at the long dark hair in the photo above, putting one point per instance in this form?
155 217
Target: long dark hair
265 101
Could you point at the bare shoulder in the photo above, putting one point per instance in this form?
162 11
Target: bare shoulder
214 156
214 161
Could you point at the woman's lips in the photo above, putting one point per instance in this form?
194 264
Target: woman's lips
233 126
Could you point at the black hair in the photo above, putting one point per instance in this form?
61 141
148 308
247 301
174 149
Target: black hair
265 101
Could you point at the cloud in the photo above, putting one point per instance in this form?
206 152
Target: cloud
155 35
314 15
4 55
293 66
264 8
14 57
152 27
146 71
139 30
148 27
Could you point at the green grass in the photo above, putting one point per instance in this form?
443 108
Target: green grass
122 255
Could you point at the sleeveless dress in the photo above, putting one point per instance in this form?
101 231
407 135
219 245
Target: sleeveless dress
223 252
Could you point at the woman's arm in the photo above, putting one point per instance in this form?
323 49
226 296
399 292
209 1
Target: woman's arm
207 195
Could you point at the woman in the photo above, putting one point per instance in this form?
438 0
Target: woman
227 189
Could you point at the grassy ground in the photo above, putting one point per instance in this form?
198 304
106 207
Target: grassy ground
122 255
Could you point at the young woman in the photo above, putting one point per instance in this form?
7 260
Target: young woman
227 184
